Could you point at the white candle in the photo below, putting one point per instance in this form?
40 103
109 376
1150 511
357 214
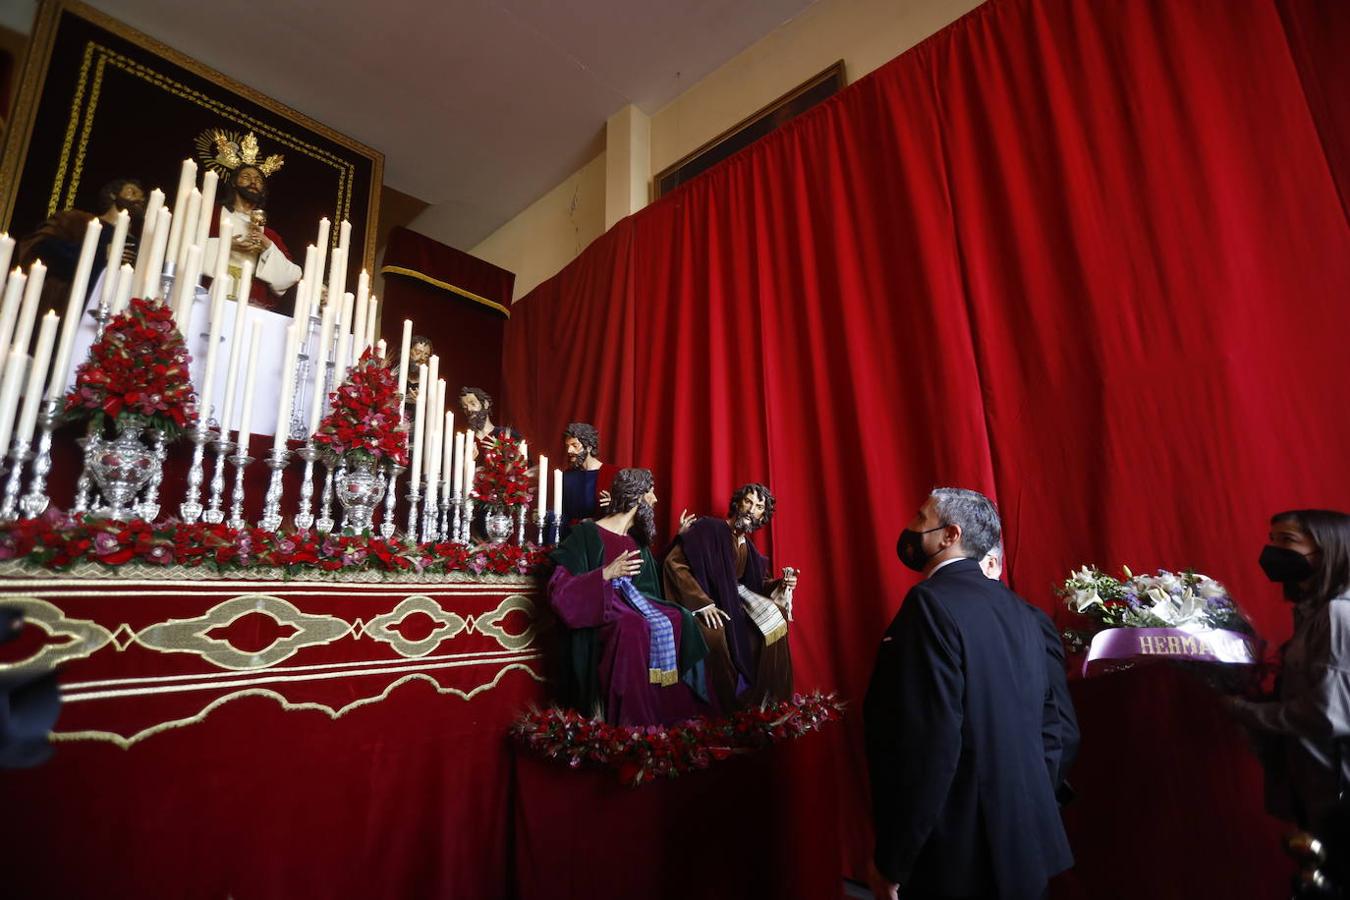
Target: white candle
6 251
321 255
557 495
150 287
220 274
237 336
246 409
434 462
404 349
206 209
434 373
152 208
381 350
9 394
372 314
285 403
344 343
9 311
32 291
186 286
457 464
337 278
419 426
362 306
191 211
432 453
524 453
206 393
79 287
114 262
344 240
541 501
37 377
448 457
126 277
310 269
469 465
321 365
187 178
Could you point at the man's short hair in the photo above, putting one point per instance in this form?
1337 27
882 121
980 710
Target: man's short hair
587 434
484 398
975 513
754 487
418 339
108 194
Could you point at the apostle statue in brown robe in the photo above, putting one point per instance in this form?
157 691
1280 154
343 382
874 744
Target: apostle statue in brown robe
714 571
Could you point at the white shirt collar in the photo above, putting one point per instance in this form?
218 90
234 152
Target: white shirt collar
942 565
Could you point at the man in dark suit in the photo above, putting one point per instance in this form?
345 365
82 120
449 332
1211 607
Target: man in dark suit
968 722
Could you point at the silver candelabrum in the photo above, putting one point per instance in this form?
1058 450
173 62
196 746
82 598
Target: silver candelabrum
222 446
148 508
414 495
239 461
271 517
324 524
18 455
388 526
304 518
35 502
191 508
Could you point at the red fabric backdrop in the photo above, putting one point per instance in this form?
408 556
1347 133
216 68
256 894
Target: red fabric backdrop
1085 255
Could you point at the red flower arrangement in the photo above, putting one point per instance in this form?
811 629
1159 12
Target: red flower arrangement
56 541
138 368
643 753
365 416
502 474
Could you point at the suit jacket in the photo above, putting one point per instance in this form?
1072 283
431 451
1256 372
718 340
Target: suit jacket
969 732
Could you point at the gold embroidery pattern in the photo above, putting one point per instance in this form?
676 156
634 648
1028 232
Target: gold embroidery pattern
382 628
85 637
190 635
491 625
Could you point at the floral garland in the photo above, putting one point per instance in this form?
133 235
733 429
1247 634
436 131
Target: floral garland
57 541
139 369
502 476
1165 600
641 754
363 424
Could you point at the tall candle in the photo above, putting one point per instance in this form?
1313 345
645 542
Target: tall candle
321 258
186 287
525 452
286 401
126 276
557 495
457 465
9 311
246 409
337 279
191 211
207 209
362 306
37 377
237 336
9 395
79 289
207 392
372 316
448 453
381 350
541 498
150 287
469 465
419 427
404 349
432 453
152 208
344 240
220 273
115 248
344 343
434 373
310 269
187 178
434 462
6 251
32 291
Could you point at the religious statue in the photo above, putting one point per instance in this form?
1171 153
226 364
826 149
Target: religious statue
420 350
244 196
714 571
586 481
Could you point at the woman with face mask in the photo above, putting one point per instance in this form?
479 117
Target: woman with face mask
1304 731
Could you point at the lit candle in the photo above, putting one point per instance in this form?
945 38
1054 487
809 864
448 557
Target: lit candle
149 289
419 426
152 208
126 276
191 211
208 384
79 289
541 501
6 251
115 248
557 495
362 308
37 377
9 395
372 315
206 209
32 291
237 335
9 311
187 178
285 403
404 349
246 409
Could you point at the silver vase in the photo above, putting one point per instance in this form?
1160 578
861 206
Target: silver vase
121 467
497 524
359 489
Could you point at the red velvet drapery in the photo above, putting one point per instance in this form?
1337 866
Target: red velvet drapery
1085 255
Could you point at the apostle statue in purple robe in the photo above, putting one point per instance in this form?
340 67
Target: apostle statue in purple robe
625 653
714 571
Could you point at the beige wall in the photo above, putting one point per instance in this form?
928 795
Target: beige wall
548 234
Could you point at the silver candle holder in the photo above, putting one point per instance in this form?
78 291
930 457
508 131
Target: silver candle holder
443 520
430 515
304 517
456 509
388 527
214 515
414 496
539 527
166 280
190 510
239 461
18 455
84 486
36 501
466 521
271 517
324 524
520 524
148 508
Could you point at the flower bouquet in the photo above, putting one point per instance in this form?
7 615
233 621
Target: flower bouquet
136 377
502 482
1173 615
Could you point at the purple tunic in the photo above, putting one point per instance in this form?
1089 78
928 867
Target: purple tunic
589 601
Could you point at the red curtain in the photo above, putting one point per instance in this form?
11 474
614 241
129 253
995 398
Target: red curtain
1085 255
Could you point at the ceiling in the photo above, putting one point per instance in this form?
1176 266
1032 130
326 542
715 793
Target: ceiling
484 105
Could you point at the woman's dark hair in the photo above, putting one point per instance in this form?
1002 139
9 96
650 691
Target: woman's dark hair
1330 531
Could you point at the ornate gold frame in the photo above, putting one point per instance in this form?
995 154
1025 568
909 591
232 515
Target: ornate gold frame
34 75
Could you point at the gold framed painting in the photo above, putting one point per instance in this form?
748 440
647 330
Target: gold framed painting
99 100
